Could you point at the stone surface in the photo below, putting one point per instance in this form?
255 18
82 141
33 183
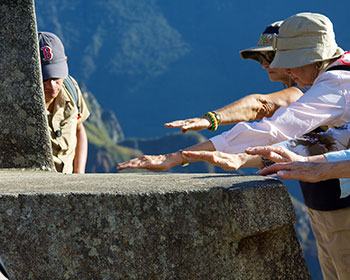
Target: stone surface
147 226
24 138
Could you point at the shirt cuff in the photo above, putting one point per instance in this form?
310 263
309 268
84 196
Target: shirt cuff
338 156
219 142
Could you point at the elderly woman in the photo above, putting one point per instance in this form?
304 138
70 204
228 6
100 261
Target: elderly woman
306 46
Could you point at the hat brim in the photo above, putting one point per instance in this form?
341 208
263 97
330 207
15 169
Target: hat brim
253 51
301 57
55 70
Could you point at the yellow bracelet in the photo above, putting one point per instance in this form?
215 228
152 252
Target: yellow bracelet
213 120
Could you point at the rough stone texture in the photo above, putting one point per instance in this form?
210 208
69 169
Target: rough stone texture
147 226
24 138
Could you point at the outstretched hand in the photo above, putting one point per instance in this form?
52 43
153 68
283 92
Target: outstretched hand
153 163
275 153
289 165
229 162
194 124
304 171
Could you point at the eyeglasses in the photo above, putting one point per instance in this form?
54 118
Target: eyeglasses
268 56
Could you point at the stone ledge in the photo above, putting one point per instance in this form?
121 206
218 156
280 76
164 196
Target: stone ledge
147 226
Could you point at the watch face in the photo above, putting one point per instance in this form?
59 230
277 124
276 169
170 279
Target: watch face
218 117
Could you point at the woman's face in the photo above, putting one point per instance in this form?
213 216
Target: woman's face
275 74
304 75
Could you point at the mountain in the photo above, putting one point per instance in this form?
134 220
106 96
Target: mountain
108 147
103 134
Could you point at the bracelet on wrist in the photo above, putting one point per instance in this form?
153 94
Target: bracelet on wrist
213 121
185 162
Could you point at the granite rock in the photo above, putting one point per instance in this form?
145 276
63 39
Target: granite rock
147 226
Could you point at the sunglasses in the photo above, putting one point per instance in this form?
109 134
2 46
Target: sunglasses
269 56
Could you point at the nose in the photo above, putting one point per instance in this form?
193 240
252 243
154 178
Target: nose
51 83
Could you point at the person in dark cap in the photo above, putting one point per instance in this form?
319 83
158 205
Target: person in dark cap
66 108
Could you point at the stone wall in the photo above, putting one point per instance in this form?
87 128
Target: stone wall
24 138
147 226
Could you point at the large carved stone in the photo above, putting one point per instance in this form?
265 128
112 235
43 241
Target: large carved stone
145 226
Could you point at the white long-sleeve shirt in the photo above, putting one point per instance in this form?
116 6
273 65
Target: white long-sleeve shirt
327 102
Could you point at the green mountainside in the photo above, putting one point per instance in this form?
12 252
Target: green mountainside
107 145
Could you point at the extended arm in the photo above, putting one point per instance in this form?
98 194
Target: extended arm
163 162
257 106
248 108
309 171
81 150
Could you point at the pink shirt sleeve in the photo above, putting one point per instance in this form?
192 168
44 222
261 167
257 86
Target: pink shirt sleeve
327 102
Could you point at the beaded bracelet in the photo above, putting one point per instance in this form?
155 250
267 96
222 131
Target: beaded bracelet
213 120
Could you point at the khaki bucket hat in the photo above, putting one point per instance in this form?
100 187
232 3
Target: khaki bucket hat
303 39
264 44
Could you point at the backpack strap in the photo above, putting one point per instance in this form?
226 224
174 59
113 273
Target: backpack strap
339 67
69 84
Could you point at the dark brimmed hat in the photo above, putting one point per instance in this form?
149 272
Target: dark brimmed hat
303 39
264 44
52 56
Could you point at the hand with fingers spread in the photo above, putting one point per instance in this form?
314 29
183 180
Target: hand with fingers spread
156 163
303 171
164 162
275 153
292 166
194 124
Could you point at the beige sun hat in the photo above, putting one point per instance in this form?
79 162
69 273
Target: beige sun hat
264 44
303 39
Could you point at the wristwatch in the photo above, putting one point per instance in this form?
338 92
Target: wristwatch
217 116
185 162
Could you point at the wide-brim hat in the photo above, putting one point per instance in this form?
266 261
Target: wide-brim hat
303 39
52 56
265 42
